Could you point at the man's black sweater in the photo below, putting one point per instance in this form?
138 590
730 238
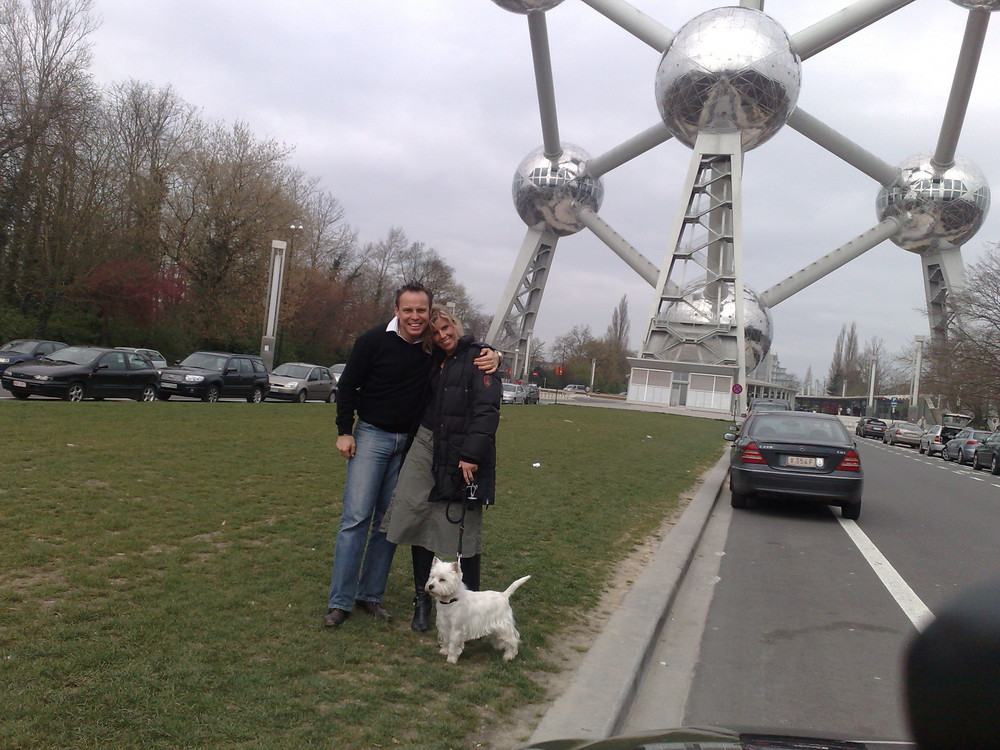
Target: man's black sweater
384 382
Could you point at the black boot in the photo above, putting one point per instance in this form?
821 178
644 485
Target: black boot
470 572
421 612
422 560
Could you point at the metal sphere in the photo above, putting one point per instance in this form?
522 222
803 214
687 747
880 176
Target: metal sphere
553 193
728 70
706 308
978 4
527 6
937 208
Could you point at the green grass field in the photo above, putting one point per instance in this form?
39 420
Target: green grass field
164 568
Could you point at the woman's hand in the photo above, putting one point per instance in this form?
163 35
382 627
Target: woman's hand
468 471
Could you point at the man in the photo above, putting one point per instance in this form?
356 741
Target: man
384 382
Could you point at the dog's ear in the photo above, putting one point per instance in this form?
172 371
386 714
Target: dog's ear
436 561
457 566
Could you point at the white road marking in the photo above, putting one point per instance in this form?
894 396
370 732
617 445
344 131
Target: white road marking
905 597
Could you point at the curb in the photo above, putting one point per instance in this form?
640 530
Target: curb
600 697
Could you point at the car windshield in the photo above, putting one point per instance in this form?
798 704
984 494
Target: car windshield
908 426
205 361
980 434
18 345
509 387
292 371
784 427
76 355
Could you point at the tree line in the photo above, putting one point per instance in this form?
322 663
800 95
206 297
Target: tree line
127 218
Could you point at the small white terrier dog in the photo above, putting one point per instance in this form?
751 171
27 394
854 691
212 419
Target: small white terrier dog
464 615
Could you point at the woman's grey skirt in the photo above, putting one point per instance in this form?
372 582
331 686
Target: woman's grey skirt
414 521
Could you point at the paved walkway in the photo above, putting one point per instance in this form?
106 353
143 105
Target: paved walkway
605 684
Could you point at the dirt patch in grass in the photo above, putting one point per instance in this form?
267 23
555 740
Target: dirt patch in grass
574 643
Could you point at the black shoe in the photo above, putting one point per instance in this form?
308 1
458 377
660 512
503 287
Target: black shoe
374 609
334 617
421 612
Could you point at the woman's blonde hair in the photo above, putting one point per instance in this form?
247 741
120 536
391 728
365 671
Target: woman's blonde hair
445 315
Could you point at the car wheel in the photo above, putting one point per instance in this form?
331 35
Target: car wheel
148 394
301 398
961 458
920 450
332 398
995 466
851 512
212 394
738 500
257 397
75 392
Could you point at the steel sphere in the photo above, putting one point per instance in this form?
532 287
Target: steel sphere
978 4
553 195
728 70
527 6
937 208
705 308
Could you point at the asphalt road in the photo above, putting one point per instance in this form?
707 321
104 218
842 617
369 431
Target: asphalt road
783 621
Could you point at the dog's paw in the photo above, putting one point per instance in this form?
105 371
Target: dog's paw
453 659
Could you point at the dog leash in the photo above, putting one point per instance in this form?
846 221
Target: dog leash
469 495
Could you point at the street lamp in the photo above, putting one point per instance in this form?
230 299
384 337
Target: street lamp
275 281
915 394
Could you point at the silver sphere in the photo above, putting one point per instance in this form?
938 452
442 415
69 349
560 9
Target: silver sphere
553 194
937 208
728 70
527 6
707 308
977 4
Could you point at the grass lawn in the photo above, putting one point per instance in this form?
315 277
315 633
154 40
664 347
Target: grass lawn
164 568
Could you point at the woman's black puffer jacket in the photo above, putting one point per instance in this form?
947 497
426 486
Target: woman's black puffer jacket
464 414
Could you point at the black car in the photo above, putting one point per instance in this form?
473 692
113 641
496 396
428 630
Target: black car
74 373
214 375
795 455
987 454
870 428
532 394
22 350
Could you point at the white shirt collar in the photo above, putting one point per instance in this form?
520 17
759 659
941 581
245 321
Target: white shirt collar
393 327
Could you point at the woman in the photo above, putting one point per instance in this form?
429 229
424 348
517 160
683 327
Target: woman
454 447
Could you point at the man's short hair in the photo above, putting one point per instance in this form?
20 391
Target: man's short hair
414 286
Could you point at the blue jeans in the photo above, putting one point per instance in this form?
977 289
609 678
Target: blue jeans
363 556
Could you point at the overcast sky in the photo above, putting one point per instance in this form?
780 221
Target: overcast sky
416 113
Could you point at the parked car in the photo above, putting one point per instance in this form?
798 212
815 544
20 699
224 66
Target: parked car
576 387
904 433
158 360
768 404
962 447
870 427
798 456
986 455
214 375
532 393
74 373
513 393
300 381
22 350
934 438
337 371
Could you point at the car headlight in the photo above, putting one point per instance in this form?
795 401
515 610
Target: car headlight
292 385
4 360
193 378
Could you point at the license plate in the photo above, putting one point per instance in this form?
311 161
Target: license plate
20 384
168 385
806 462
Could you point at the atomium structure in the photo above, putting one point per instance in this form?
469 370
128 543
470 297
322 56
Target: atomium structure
727 81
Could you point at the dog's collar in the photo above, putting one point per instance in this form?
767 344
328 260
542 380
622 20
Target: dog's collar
450 601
